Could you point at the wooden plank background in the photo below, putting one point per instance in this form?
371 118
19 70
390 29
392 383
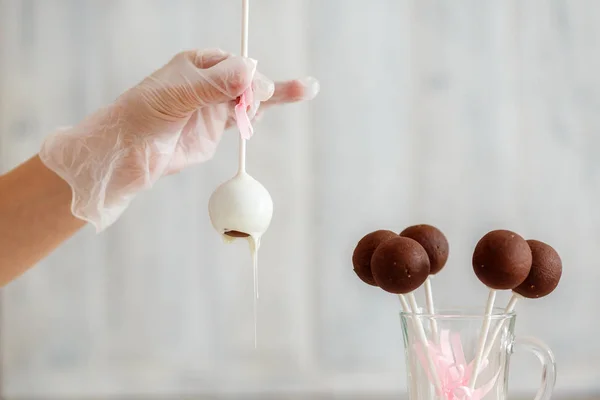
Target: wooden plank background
471 115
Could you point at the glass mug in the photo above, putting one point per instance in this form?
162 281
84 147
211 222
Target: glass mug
451 352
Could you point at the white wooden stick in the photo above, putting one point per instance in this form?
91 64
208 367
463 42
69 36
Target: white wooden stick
406 309
245 21
485 328
423 338
431 309
509 308
404 303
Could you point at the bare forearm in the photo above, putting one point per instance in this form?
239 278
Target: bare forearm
35 217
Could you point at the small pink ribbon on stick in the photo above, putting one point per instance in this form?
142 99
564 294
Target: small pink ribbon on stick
241 114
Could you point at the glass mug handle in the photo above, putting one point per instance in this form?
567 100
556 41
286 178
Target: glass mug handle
544 354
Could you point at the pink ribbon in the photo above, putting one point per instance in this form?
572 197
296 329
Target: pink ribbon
241 114
452 369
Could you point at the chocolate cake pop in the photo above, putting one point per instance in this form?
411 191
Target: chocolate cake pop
433 241
400 265
502 260
436 245
361 258
546 271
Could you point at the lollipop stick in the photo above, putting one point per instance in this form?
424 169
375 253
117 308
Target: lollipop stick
423 338
406 309
485 328
431 309
404 303
509 308
245 18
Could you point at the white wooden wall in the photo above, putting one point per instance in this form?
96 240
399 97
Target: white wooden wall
471 115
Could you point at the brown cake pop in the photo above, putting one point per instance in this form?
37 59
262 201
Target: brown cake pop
546 270
361 258
543 278
436 245
400 265
433 241
502 260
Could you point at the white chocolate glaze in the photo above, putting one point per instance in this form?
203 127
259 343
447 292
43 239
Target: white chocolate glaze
241 204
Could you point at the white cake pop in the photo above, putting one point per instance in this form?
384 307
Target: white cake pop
241 207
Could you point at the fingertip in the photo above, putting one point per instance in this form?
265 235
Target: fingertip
301 89
263 87
295 90
311 87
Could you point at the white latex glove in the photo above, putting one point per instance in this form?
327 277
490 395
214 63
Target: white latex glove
172 119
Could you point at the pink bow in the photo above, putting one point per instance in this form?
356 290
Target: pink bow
241 115
452 369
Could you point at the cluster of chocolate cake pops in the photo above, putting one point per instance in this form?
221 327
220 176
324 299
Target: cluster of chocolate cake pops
401 263
502 260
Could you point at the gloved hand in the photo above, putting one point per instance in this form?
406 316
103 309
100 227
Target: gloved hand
172 119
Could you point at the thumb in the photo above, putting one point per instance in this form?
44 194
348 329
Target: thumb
224 81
